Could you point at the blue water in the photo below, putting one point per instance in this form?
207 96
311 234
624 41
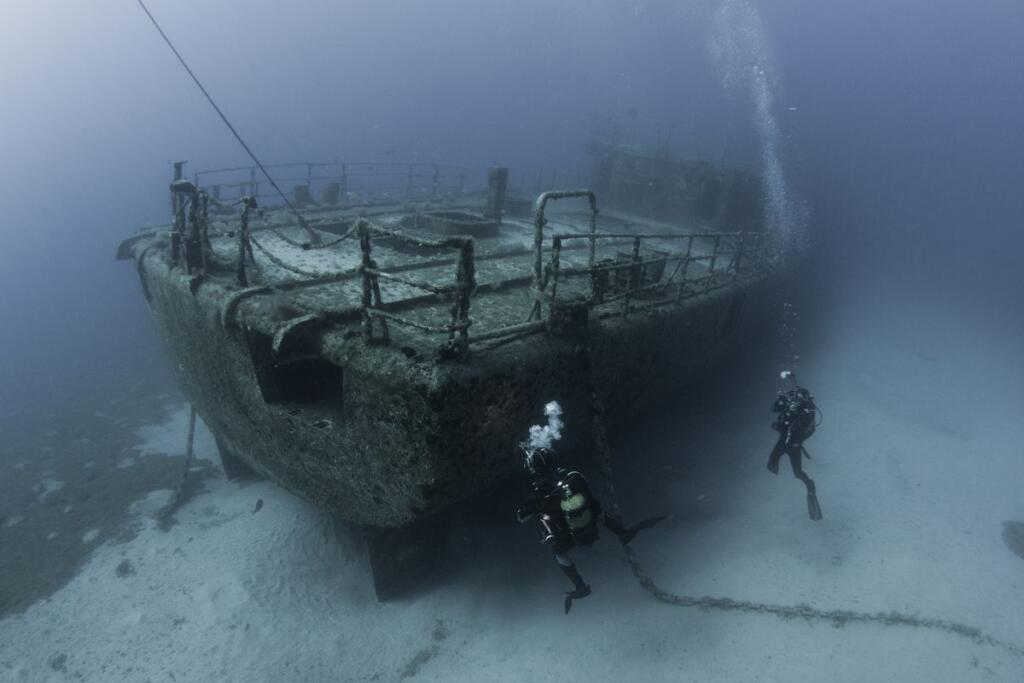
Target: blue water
888 139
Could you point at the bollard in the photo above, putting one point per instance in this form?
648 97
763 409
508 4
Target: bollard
497 188
248 204
330 194
175 200
303 196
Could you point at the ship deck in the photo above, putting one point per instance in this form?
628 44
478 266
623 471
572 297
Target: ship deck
643 263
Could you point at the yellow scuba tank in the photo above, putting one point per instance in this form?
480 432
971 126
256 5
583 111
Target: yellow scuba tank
575 508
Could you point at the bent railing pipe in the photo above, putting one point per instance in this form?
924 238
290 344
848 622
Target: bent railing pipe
538 236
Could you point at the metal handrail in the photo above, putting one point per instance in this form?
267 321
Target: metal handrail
461 290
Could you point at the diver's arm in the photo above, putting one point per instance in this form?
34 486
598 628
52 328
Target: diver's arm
528 509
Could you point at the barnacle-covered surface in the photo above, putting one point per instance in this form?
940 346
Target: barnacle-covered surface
385 427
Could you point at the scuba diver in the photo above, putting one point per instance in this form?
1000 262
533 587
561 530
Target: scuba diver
567 514
795 424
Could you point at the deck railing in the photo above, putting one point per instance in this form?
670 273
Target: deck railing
460 291
639 282
652 270
337 183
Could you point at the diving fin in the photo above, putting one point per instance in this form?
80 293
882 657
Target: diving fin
582 589
575 595
813 508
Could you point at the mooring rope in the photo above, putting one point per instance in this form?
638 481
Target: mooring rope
178 498
837 618
302 221
281 264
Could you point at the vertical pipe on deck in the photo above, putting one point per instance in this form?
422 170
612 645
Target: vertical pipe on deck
465 279
365 246
556 257
635 278
243 247
686 267
711 265
538 245
343 185
204 230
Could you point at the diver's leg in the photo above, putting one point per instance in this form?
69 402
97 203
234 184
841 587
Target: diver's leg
615 525
581 589
813 508
624 534
798 470
773 459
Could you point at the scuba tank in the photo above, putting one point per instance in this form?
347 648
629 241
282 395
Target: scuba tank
574 504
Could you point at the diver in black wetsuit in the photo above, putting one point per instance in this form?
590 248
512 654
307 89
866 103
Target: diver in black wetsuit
567 513
795 424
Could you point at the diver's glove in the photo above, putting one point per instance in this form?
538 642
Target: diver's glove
523 515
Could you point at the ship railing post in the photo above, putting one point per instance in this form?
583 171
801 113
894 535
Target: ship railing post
742 240
378 303
635 279
686 267
465 281
371 285
365 247
539 221
538 245
243 243
204 227
193 245
556 254
711 265
176 201
593 229
343 185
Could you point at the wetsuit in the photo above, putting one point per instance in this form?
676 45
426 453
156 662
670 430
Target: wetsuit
795 423
567 513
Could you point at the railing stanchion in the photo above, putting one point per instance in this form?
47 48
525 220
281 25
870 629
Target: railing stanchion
711 265
248 204
556 254
365 262
635 278
465 281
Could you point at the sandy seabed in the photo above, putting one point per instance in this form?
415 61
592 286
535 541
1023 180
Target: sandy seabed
918 464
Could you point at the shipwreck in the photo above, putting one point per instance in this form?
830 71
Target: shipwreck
380 341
